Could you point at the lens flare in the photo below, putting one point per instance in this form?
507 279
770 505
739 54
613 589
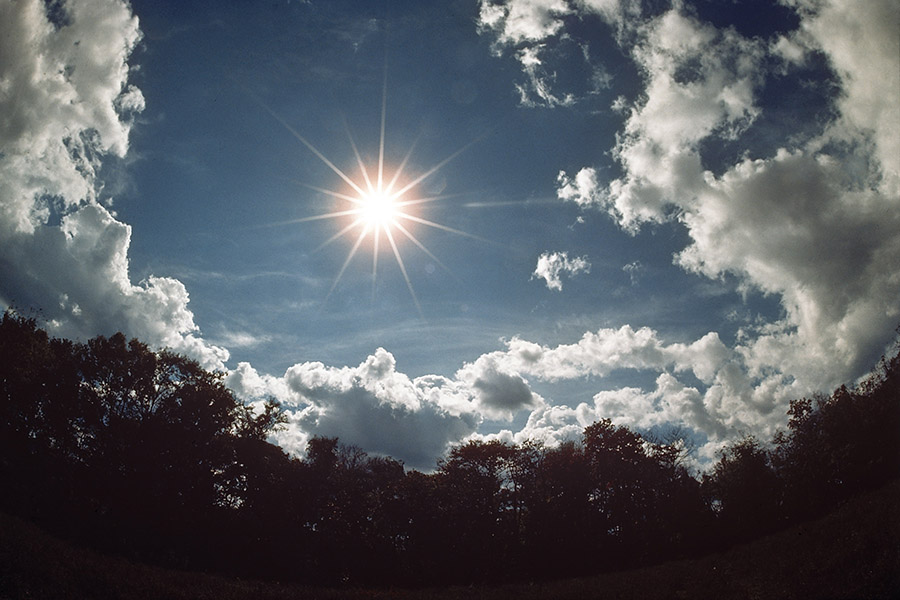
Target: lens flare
375 208
378 210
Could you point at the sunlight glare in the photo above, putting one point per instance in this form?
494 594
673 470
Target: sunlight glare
378 210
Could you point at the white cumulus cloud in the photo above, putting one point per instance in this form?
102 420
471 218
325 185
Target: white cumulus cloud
66 104
372 405
815 223
552 265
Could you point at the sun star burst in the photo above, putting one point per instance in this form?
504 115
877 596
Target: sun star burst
376 208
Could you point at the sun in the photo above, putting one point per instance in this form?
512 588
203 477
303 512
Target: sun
376 208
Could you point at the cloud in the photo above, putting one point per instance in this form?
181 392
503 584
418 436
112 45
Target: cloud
607 350
583 189
789 226
371 405
814 223
634 270
66 105
538 91
533 30
727 403
525 26
863 48
613 12
241 339
671 401
723 401
249 385
548 424
700 82
64 101
552 265
384 411
800 224
523 21
499 392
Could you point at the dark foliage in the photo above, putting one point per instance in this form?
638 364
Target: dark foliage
744 490
834 447
148 455
839 445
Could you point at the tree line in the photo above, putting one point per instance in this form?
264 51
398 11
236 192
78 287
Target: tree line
144 453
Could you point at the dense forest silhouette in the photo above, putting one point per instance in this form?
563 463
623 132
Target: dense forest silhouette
145 454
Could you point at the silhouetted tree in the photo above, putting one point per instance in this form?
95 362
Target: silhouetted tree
620 493
744 490
560 515
136 444
41 421
477 502
839 445
145 453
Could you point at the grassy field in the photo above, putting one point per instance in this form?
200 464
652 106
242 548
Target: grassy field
852 553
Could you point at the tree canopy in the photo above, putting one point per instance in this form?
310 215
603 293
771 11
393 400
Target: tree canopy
144 453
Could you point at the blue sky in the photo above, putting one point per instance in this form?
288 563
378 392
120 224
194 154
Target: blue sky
670 214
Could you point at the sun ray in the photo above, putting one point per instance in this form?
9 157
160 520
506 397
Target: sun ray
409 285
331 215
339 234
399 171
375 260
359 160
376 208
425 200
436 167
311 148
410 217
383 118
422 247
332 193
350 255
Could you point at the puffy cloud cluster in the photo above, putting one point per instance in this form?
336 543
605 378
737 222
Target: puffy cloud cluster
526 21
552 265
378 408
384 411
700 82
800 224
814 223
606 351
417 419
634 270
66 103
863 48
499 389
722 402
